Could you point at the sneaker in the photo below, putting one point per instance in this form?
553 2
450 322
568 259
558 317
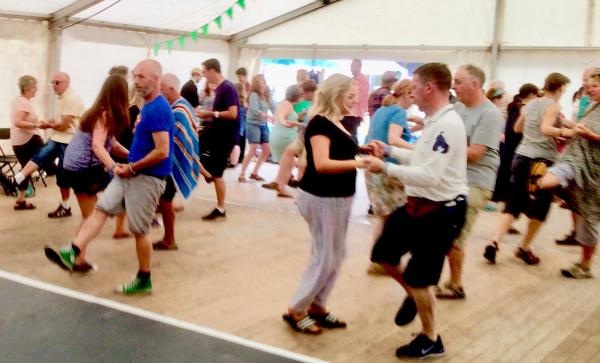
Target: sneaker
490 252
85 268
67 256
513 230
407 312
60 212
569 240
214 216
30 192
449 292
137 286
421 347
576 272
527 256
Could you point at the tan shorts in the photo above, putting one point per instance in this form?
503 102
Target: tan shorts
386 193
477 199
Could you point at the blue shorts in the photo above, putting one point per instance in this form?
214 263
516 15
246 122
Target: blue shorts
48 153
256 134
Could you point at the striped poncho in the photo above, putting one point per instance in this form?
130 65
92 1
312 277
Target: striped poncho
186 163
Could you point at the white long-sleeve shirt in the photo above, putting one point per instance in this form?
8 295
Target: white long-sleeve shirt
436 169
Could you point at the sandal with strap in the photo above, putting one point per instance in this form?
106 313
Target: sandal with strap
328 320
242 179
23 206
256 177
306 325
162 246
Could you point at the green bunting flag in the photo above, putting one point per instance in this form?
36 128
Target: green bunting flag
194 36
218 20
181 41
156 48
242 4
169 44
205 30
229 13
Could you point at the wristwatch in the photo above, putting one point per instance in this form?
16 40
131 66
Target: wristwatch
216 114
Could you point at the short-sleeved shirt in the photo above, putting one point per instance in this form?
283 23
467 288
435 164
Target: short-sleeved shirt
341 147
20 136
376 99
484 125
437 167
584 102
69 104
381 121
156 116
256 106
535 145
225 97
189 91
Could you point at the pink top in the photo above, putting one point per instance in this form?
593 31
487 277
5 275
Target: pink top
18 135
363 95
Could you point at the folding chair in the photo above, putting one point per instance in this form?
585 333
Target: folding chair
8 163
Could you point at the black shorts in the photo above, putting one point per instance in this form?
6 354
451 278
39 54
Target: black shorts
215 147
89 181
428 238
170 190
519 200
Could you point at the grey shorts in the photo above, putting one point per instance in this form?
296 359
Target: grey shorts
137 196
564 172
586 232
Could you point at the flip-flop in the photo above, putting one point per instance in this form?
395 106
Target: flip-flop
303 325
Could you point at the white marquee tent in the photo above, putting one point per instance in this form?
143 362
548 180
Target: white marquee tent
514 40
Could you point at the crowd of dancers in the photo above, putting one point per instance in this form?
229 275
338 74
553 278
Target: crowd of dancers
427 179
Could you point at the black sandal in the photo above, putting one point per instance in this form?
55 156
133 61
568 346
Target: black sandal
328 320
23 206
303 325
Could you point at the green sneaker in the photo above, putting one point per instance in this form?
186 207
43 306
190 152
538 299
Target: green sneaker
137 286
67 257
30 192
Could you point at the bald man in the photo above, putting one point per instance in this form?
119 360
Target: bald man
136 187
63 126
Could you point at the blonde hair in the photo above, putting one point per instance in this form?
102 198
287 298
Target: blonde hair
399 89
255 87
327 95
26 82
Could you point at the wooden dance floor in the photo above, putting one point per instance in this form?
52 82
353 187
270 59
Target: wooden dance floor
237 277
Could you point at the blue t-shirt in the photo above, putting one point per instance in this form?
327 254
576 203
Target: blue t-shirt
156 116
381 121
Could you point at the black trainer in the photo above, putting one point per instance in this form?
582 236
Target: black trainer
421 347
214 216
569 240
60 212
407 312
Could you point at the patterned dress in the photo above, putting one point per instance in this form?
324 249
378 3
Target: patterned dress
583 193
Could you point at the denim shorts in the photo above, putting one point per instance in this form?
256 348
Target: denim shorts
256 134
48 153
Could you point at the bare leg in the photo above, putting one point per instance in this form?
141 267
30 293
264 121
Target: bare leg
86 206
21 196
532 228
425 302
65 194
549 181
120 230
220 190
29 168
586 256
286 164
264 155
235 155
88 231
168 215
143 247
247 159
396 273
456 257
506 220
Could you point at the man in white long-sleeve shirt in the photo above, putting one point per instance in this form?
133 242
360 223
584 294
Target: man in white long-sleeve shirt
435 175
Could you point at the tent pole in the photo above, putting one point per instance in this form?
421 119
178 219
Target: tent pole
589 23
498 17
54 50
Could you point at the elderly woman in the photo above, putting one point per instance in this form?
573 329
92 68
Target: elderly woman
578 173
24 133
286 123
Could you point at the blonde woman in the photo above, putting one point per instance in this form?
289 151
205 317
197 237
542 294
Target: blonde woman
324 200
257 132
389 125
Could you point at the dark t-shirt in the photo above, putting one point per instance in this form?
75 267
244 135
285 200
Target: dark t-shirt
225 130
189 91
341 147
156 116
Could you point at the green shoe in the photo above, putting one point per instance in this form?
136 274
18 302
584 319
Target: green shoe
135 287
29 192
67 256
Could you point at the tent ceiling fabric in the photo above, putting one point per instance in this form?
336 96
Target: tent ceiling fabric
181 15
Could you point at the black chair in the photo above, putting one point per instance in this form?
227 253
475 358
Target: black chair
8 163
